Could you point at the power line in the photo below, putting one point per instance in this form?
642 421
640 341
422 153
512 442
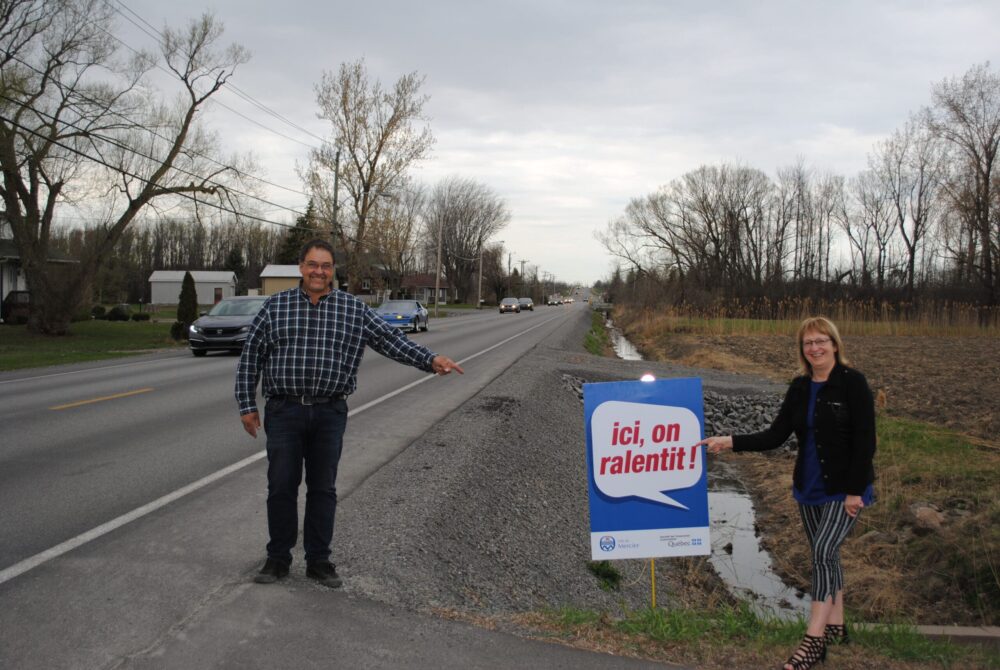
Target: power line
187 196
148 128
238 91
125 172
220 104
116 143
159 36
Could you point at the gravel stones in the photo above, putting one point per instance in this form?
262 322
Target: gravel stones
487 513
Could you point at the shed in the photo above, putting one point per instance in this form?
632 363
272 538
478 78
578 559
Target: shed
274 278
210 285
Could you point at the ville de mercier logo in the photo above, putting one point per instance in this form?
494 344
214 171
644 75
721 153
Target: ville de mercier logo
607 543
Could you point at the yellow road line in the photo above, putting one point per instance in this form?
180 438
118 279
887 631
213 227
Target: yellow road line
107 397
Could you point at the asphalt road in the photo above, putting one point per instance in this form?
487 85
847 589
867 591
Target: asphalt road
85 445
97 567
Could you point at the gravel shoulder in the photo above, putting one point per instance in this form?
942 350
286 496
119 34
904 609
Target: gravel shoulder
487 513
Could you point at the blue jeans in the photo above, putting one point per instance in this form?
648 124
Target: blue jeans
297 434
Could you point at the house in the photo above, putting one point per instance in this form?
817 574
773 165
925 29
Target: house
11 276
210 285
421 287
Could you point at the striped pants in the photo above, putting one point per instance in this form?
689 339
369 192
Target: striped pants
826 527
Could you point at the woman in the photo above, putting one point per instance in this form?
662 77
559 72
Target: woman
831 410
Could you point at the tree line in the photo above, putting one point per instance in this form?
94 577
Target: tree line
86 133
465 212
921 222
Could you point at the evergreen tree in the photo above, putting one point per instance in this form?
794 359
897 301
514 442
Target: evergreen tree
187 307
306 228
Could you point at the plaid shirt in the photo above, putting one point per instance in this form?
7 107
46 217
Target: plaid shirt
306 349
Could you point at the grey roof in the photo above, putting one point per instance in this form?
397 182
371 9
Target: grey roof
207 276
8 250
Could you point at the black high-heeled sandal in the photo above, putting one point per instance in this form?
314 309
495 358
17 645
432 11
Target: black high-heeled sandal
811 650
836 634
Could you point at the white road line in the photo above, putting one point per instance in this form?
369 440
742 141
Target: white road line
76 372
32 562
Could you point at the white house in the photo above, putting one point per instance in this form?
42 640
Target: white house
211 286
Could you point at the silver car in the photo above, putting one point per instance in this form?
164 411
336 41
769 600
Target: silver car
225 326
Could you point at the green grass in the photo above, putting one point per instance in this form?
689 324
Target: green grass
606 573
87 341
919 462
596 340
721 632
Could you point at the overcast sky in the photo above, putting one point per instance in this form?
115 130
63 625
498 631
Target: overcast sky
568 109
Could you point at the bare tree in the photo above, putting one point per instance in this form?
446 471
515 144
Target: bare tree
77 123
394 230
910 166
466 214
965 112
870 226
494 271
711 226
376 139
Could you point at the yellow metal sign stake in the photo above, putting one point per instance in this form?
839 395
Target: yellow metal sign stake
652 579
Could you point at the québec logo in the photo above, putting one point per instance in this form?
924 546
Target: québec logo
696 542
607 543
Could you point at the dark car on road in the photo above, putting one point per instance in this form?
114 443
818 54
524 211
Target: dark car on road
510 305
527 303
408 314
225 326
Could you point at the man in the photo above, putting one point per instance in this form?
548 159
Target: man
307 343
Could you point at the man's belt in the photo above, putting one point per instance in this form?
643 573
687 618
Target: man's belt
311 399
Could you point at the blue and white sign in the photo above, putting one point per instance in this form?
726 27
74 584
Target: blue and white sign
647 481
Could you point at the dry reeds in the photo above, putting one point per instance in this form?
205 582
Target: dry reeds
763 316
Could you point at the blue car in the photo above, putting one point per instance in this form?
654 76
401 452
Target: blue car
408 314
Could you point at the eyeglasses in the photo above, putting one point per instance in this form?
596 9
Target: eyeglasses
818 342
313 265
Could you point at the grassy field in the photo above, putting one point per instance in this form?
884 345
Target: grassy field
88 341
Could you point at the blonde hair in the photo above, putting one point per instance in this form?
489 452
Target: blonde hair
822 325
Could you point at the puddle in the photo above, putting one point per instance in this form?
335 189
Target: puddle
625 349
736 553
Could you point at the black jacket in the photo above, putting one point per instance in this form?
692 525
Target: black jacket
845 430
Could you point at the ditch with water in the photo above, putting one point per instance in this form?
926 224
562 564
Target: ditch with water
737 556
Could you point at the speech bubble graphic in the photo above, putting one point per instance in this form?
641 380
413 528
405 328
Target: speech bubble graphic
642 450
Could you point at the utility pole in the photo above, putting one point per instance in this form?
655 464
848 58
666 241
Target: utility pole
333 233
479 304
437 272
510 280
336 183
479 292
523 261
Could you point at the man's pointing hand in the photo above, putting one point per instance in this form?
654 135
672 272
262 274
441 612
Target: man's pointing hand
443 365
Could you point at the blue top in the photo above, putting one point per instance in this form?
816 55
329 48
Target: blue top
813 492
